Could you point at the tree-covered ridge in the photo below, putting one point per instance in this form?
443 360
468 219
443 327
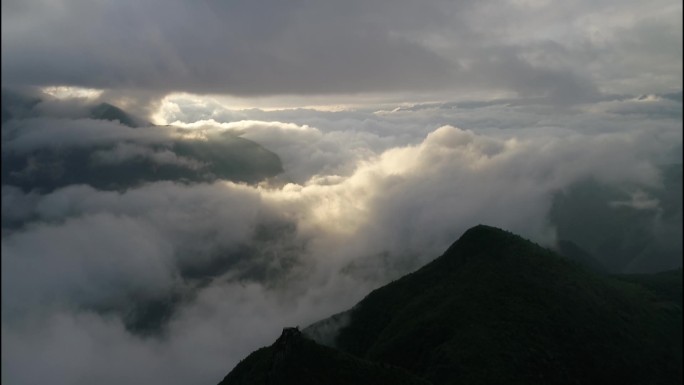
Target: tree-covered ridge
294 359
496 308
667 284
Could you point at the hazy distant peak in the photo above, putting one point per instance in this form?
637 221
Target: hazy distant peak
106 111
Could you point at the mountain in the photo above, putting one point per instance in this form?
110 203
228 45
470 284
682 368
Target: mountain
106 111
666 284
628 229
571 250
496 308
21 104
124 163
119 166
294 359
107 163
16 104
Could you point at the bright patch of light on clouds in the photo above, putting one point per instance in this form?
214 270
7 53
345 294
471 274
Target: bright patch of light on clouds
67 92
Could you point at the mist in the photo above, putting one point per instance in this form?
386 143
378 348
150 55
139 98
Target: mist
186 278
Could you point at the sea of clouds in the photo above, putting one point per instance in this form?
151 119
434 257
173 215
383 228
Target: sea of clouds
367 195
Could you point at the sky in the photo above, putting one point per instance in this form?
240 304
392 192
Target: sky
398 124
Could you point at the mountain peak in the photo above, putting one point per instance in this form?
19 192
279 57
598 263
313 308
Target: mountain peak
295 359
482 227
106 111
288 334
485 231
290 337
495 308
486 239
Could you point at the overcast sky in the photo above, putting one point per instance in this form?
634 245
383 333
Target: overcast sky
566 52
399 125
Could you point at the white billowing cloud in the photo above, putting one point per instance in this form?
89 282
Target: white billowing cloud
410 202
96 248
77 349
91 260
199 216
422 197
205 339
410 123
304 150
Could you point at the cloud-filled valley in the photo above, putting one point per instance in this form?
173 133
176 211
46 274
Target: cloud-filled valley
169 273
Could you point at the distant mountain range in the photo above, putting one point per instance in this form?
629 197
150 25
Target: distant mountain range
106 111
124 159
624 229
493 309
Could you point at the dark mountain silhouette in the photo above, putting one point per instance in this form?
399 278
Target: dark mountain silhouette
572 251
294 359
496 308
225 157
666 284
624 234
222 156
17 105
106 111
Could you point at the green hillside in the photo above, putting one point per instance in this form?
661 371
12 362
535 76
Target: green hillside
496 308
667 284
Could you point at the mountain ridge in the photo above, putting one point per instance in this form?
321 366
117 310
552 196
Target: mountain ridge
294 359
496 308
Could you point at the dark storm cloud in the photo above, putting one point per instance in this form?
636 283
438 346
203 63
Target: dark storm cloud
221 47
526 48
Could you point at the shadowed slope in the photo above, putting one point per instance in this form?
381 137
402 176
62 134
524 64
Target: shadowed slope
496 308
294 359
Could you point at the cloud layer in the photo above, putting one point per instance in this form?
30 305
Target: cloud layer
227 265
562 54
